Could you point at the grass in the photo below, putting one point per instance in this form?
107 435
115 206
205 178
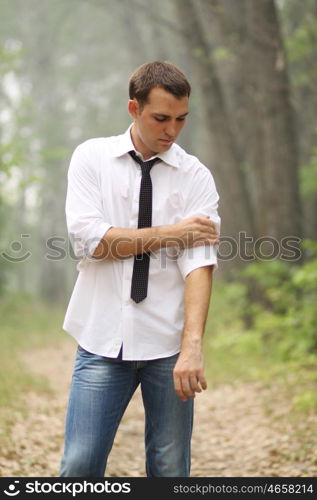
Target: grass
232 353
25 325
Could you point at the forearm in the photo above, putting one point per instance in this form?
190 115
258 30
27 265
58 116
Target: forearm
189 370
198 285
120 243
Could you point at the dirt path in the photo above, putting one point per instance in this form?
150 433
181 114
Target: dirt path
240 431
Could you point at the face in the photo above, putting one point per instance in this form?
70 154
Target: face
157 125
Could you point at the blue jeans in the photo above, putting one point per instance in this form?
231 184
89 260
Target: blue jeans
100 392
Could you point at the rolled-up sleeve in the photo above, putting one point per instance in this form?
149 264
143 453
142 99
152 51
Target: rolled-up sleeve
202 199
84 214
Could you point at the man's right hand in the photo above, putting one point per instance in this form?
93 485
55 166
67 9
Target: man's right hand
195 231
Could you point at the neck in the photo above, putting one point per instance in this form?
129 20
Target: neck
139 146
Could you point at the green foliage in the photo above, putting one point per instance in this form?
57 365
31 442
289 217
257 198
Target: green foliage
222 54
308 177
266 325
306 400
3 276
303 40
301 45
9 57
232 351
287 318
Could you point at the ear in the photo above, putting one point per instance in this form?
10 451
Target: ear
133 108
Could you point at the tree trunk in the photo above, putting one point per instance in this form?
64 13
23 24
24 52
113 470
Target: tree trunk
235 207
281 206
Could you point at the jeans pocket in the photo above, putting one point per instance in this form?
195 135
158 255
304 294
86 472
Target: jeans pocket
83 351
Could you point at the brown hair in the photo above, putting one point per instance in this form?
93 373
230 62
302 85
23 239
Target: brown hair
157 74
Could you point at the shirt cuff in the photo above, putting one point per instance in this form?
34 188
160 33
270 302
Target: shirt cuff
195 257
94 241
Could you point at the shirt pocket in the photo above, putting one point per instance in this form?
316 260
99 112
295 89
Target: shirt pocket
124 190
170 209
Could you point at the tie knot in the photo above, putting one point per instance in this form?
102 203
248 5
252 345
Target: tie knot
145 165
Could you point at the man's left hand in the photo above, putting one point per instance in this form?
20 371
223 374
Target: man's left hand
189 375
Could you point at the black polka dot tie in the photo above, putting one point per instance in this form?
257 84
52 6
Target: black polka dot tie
140 275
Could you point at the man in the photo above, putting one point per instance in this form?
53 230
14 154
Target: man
145 233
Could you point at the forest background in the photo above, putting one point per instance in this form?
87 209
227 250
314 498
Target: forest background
64 68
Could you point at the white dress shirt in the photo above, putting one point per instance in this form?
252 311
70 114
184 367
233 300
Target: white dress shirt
103 191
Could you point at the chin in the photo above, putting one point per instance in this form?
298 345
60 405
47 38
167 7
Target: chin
163 147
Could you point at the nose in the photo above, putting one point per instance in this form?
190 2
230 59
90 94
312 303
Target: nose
171 129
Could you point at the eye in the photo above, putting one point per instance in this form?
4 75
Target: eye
159 119
181 119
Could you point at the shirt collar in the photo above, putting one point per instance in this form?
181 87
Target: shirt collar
124 144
